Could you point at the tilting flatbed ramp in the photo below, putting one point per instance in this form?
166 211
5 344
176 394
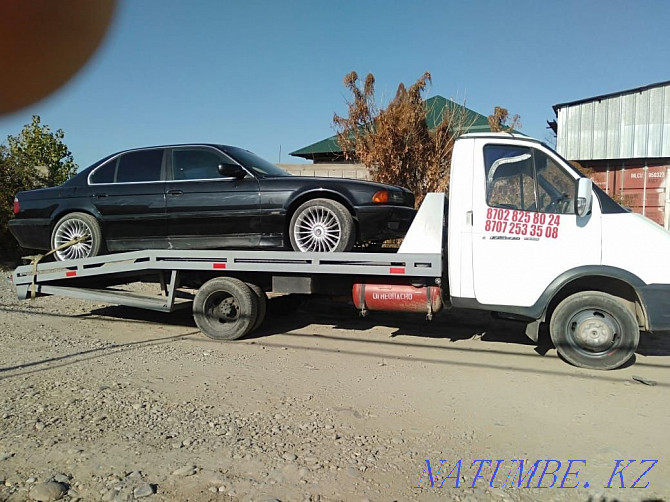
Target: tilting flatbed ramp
230 284
60 278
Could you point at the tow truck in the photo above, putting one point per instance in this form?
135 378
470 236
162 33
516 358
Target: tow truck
522 234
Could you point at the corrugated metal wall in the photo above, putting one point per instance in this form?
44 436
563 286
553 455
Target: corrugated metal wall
624 126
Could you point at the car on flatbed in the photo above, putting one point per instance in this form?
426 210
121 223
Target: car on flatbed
205 196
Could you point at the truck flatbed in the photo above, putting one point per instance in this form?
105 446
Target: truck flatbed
97 278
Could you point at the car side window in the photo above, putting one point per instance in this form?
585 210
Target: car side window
195 164
140 166
105 173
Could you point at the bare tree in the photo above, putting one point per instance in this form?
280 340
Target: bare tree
498 121
395 143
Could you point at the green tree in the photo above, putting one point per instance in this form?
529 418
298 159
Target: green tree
37 147
35 158
395 143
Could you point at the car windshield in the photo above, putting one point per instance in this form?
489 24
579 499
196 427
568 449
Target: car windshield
260 167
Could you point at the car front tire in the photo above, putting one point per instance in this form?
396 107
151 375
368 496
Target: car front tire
321 226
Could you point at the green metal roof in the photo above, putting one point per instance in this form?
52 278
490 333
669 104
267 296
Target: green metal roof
435 111
328 145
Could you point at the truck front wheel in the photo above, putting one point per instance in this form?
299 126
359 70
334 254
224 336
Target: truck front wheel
594 330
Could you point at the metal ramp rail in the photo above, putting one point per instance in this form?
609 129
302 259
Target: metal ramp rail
53 278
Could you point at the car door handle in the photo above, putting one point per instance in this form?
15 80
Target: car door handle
100 195
175 192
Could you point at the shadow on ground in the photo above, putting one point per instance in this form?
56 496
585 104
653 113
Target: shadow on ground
286 314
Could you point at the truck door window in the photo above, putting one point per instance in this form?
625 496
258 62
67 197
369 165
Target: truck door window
510 179
527 179
556 188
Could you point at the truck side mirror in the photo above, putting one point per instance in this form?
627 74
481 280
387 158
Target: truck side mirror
584 198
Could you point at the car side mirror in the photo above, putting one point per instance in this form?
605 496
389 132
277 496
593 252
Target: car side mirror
232 171
584 198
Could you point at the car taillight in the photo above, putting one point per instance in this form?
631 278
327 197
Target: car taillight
16 205
381 197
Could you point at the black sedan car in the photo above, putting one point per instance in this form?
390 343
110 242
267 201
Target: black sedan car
205 196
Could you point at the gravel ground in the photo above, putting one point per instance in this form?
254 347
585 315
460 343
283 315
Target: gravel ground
116 404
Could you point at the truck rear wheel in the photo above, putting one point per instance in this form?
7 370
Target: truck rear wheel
594 330
261 302
225 308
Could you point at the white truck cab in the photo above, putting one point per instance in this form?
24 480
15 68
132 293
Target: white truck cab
530 236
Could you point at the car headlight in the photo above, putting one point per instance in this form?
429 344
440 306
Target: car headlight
387 196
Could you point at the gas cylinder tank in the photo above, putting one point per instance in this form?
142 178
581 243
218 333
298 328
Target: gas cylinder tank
397 298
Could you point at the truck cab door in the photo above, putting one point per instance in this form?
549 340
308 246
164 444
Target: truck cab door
525 227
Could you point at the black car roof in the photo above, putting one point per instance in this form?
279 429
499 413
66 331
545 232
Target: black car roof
139 148
214 145
107 157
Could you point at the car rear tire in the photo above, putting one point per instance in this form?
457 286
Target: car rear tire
74 226
322 225
225 308
594 330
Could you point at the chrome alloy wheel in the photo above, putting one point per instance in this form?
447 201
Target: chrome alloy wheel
70 230
317 229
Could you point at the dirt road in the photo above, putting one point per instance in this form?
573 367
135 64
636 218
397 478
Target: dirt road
112 403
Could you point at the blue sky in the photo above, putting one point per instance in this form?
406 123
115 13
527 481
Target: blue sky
268 74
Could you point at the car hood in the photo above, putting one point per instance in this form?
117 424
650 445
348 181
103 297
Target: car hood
330 182
356 192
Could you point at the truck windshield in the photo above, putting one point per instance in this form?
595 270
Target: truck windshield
607 203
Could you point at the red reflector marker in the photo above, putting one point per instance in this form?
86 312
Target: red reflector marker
397 270
70 273
218 265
